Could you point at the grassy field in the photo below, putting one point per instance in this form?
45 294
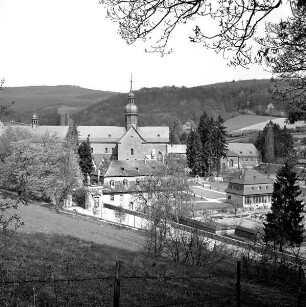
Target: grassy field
242 121
61 261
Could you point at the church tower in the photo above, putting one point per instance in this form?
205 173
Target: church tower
34 120
131 110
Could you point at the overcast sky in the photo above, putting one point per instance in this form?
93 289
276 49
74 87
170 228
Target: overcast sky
57 42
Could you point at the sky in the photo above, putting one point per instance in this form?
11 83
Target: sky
71 42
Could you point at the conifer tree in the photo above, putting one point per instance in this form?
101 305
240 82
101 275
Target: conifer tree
284 223
205 128
194 152
85 158
219 141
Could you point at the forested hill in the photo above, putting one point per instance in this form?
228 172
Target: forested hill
47 99
166 105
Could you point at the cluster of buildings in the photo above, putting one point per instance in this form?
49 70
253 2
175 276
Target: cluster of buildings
132 153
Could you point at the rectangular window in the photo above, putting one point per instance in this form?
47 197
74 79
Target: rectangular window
112 197
106 150
91 150
132 152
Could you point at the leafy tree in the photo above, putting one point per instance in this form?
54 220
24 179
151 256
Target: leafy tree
39 166
284 224
283 142
194 152
85 158
165 197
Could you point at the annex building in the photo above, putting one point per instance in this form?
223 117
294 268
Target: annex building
251 189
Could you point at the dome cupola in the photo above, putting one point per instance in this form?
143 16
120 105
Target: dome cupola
131 110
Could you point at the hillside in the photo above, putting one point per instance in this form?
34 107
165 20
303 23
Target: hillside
47 99
60 261
164 106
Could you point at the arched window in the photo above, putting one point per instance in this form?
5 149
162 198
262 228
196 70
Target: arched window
125 182
231 164
112 183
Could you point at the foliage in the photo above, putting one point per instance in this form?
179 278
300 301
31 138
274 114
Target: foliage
283 49
194 152
283 142
85 158
39 166
284 224
166 105
165 197
212 135
120 214
232 23
79 196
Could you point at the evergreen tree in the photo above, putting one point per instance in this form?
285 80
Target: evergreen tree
194 152
283 143
85 158
284 222
219 143
205 130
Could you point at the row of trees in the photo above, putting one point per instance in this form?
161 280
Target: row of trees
206 146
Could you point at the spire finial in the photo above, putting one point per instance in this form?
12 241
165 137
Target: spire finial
131 83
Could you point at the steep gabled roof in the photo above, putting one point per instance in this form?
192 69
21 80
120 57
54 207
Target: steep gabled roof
243 149
104 134
154 134
130 132
134 168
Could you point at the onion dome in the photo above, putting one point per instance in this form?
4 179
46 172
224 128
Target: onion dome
131 108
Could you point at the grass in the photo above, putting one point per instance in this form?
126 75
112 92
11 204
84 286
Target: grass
51 247
243 121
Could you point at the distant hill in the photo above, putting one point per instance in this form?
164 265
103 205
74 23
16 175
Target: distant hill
169 105
47 99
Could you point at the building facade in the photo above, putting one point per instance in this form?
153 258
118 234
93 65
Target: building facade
241 155
251 189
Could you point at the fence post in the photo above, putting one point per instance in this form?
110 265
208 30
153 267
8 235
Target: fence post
300 302
117 285
238 283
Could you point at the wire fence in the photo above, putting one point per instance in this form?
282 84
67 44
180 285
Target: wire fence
233 289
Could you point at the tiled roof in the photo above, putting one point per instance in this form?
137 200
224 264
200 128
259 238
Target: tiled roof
133 168
154 134
243 149
251 176
112 134
103 134
256 189
231 153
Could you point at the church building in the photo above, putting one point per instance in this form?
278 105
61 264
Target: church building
130 142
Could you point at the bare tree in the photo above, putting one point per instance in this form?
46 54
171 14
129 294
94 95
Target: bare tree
234 22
